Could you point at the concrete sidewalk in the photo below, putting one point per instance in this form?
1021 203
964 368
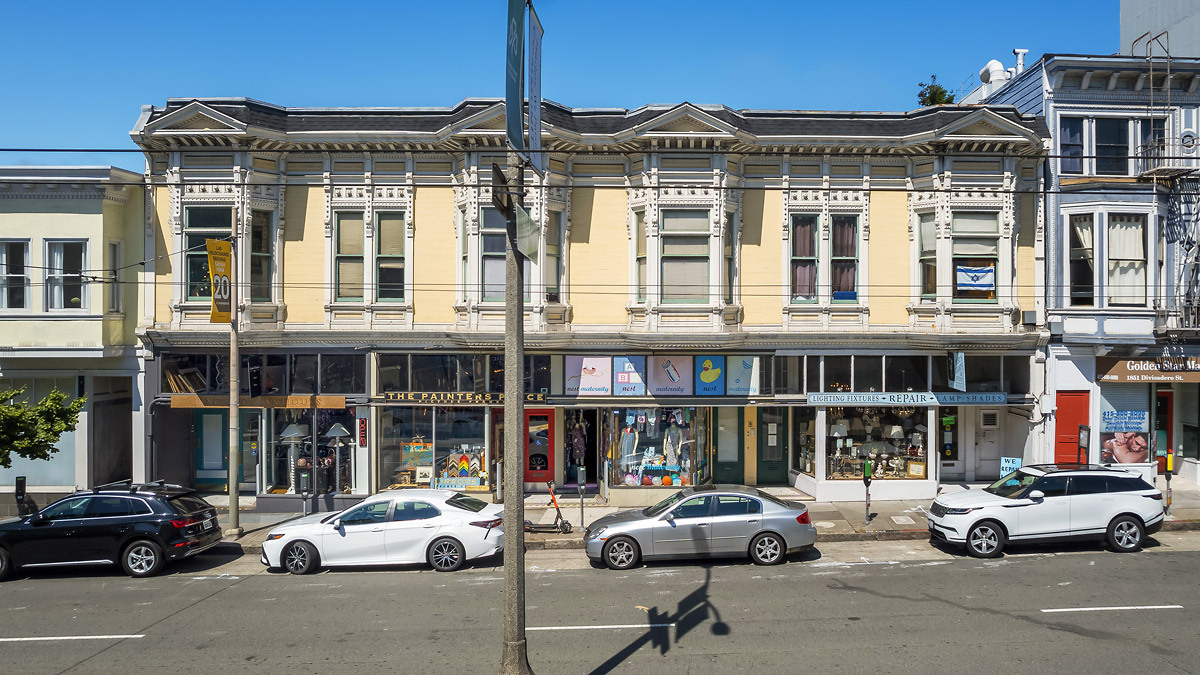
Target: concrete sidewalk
835 521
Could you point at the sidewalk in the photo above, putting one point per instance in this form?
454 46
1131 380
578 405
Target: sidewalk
835 521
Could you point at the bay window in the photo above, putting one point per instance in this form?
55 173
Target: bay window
554 236
684 251
975 248
494 230
1082 266
640 226
804 258
1126 259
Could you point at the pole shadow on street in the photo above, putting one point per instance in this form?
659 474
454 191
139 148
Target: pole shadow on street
692 611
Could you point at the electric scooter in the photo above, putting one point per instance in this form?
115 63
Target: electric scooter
559 525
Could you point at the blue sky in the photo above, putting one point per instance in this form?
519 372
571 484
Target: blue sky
76 74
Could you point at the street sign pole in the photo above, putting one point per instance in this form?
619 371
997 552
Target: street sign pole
235 390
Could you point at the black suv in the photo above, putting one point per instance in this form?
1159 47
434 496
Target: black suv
141 525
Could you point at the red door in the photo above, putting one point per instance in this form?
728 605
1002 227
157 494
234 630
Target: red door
539 446
1072 411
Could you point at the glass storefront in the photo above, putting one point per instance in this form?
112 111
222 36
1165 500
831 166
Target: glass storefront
893 439
651 446
420 443
317 440
804 440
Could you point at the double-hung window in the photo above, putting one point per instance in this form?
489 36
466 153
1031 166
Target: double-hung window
1112 146
804 258
65 288
389 257
348 257
260 256
554 236
14 275
202 223
1082 266
684 263
1126 259
727 254
640 226
976 250
927 231
843 266
494 230
1070 144
114 279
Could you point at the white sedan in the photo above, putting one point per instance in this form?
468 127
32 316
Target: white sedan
440 527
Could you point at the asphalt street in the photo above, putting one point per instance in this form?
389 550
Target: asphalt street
877 607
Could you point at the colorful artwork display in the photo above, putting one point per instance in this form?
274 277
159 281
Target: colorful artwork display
710 375
670 375
588 375
629 375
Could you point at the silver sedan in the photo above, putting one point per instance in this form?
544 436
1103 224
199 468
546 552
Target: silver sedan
707 521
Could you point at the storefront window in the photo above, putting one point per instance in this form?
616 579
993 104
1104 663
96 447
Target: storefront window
320 441
837 373
434 372
1016 375
983 373
405 447
658 446
343 373
393 372
304 374
907 373
185 373
537 374
458 446
804 440
868 373
892 439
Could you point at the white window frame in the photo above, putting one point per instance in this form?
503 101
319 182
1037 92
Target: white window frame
200 249
338 256
664 238
405 291
1001 246
1148 259
5 276
52 278
270 255
114 277
1101 215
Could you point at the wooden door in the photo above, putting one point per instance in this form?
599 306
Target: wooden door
1072 410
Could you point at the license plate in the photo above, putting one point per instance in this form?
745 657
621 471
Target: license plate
208 524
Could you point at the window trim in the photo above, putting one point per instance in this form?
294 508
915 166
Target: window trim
380 257
663 258
857 259
995 258
5 275
50 276
190 253
338 257
269 255
815 258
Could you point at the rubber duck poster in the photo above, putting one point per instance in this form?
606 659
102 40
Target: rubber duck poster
629 375
742 376
710 375
589 375
670 375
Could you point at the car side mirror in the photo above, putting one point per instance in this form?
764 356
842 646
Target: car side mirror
1037 495
38 519
337 523
669 516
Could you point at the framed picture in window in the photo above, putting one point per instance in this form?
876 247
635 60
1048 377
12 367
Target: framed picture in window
916 469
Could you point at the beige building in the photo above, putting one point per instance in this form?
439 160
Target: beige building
68 314
762 297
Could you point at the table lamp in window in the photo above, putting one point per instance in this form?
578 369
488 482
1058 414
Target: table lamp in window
293 434
337 435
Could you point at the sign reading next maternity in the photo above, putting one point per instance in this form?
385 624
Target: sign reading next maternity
710 375
589 375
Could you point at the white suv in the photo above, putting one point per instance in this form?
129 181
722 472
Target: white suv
1049 502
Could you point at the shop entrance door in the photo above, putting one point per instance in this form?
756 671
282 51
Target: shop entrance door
987 444
539 446
772 446
1164 403
212 456
1072 409
730 467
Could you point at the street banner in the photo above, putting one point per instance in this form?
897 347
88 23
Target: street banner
220 278
957 371
535 93
528 234
514 56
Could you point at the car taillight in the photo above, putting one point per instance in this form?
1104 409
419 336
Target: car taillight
1157 496
181 524
803 518
488 524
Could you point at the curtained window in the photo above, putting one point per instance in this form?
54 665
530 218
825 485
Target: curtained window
684 271
389 257
804 258
348 257
1126 259
928 255
976 250
1082 263
64 275
843 267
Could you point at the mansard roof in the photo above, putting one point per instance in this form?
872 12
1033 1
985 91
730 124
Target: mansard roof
249 117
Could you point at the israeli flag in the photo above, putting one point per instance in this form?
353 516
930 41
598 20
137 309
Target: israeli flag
977 278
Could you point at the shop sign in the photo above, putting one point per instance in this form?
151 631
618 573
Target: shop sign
629 375
670 375
1009 465
1162 369
742 376
907 398
362 432
588 375
278 402
710 375
454 397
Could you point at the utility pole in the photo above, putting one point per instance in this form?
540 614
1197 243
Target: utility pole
235 427
515 656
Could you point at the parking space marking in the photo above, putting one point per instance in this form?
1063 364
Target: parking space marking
61 638
1111 609
613 626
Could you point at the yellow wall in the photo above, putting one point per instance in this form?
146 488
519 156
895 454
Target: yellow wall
599 262
750 443
435 255
164 261
888 268
762 234
1023 290
304 266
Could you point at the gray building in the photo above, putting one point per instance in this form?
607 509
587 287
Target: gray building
1181 18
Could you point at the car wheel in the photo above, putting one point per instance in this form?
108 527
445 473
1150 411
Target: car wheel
300 557
621 553
5 564
142 558
446 555
767 549
1125 534
985 540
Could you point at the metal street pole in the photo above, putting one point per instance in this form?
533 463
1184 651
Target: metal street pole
515 655
235 433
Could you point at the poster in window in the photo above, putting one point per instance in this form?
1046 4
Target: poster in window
629 375
710 375
670 375
742 376
588 375
1124 436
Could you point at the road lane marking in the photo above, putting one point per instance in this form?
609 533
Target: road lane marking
1111 609
608 627
59 638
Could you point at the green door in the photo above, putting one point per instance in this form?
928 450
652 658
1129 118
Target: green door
772 446
730 466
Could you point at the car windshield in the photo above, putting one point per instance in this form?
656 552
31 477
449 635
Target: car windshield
665 504
186 504
466 503
1012 485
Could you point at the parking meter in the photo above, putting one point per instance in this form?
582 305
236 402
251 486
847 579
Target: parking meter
580 478
304 485
19 492
867 483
